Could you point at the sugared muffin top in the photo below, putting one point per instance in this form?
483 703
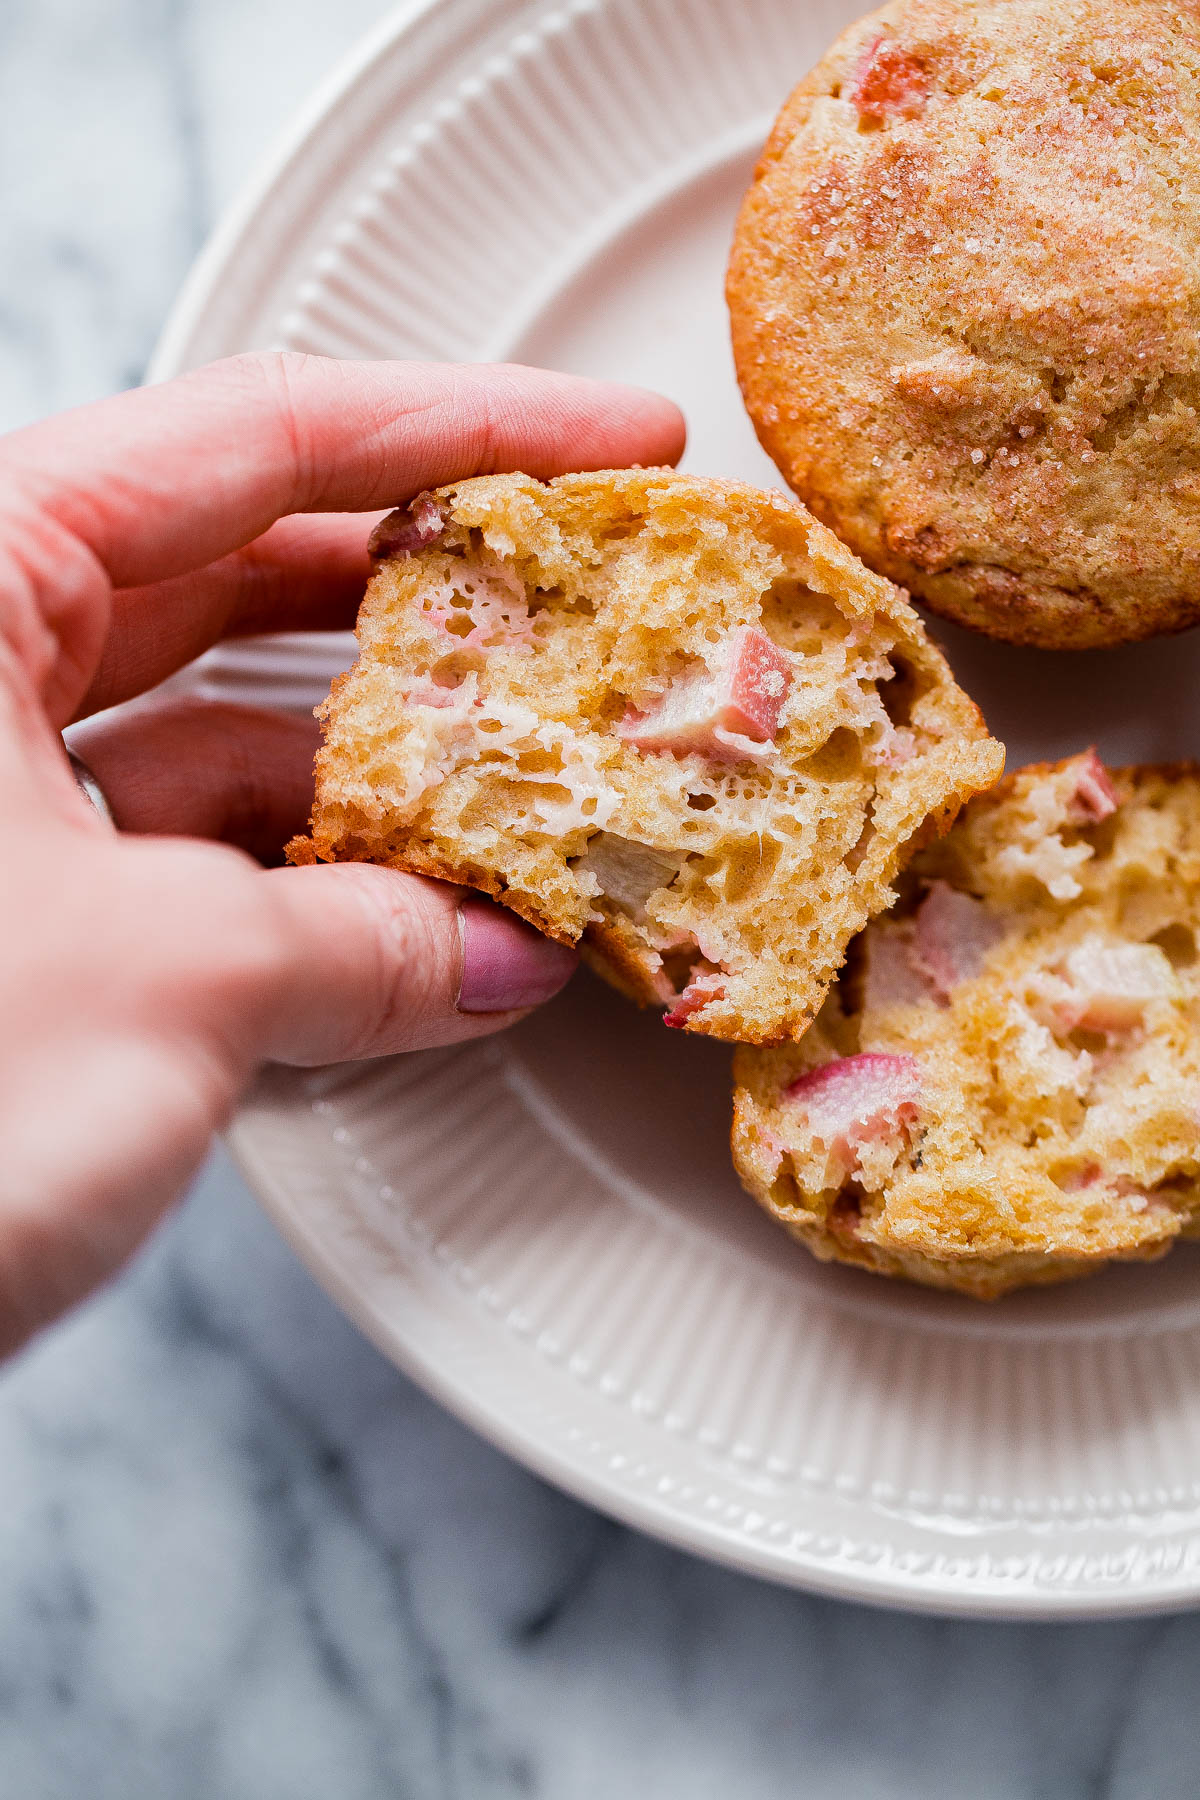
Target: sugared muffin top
965 294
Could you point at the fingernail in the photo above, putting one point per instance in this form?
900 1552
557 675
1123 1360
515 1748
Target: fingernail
506 964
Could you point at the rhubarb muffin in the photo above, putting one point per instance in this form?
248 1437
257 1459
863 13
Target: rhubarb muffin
1004 1085
965 296
671 719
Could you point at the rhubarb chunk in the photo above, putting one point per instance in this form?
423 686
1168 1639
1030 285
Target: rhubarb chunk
953 934
405 533
628 872
891 976
890 84
725 713
700 991
1105 987
857 1100
1093 796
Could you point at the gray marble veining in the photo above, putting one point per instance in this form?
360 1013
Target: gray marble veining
240 1556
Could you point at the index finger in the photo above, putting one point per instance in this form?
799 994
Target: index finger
165 479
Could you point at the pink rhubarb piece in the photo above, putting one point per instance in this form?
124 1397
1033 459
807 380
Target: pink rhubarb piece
890 84
858 1100
722 713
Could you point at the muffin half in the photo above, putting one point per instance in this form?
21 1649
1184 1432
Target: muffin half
1004 1085
672 719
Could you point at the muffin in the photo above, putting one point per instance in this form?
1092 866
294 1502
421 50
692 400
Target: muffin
671 719
965 297
1004 1085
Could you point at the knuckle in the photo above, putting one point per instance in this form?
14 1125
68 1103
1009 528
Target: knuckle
493 421
268 369
54 598
281 375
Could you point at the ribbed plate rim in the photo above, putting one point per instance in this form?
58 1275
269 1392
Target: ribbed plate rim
521 1439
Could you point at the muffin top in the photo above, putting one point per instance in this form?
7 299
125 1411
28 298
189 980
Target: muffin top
965 296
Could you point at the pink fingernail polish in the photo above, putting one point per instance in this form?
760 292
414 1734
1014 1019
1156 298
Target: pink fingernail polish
506 964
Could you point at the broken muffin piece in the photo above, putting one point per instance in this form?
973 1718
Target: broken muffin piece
672 719
1004 1085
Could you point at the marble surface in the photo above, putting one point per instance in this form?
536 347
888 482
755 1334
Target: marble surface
240 1556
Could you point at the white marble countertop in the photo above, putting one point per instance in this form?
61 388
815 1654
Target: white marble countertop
240 1556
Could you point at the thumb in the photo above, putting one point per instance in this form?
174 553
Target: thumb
375 961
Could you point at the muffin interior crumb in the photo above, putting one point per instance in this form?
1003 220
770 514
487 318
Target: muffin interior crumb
673 719
1037 982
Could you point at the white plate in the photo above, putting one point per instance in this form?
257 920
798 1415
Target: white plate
545 1230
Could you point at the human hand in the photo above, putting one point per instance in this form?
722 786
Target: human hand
144 977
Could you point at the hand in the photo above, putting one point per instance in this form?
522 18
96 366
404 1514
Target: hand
145 977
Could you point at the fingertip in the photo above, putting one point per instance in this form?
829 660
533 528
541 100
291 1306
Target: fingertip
661 423
597 423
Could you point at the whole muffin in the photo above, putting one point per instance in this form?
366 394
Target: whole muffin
965 295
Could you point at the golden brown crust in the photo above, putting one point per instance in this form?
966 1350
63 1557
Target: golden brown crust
1048 1140
417 859
610 949
968 331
